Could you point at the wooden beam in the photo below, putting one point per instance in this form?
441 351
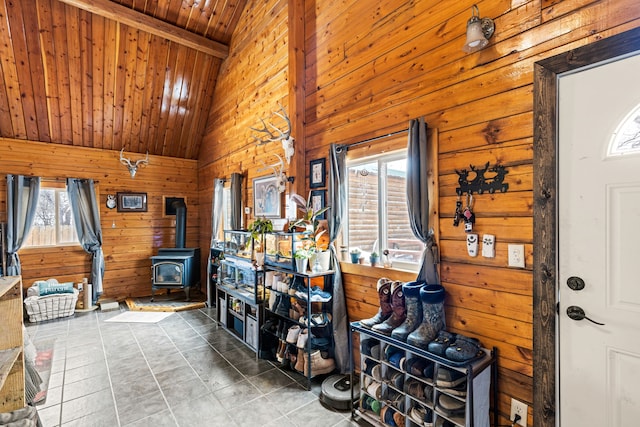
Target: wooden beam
147 23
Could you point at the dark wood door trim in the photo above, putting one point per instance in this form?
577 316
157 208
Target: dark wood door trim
545 223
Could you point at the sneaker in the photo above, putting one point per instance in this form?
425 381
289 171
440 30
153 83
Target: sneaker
450 406
449 378
414 388
315 295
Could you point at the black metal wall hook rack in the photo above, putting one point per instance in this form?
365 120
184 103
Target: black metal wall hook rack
485 179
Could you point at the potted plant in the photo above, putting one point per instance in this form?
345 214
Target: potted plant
302 256
355 255
315 232
374 258
258 228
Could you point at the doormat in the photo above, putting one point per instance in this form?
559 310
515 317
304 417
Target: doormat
163 303
44 357
139 317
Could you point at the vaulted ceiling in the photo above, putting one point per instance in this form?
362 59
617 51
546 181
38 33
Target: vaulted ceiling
137 75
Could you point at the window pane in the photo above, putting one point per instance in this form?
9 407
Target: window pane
53 222
402 244
43 232
67 230
363 206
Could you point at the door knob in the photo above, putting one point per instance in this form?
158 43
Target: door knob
577 313
575 283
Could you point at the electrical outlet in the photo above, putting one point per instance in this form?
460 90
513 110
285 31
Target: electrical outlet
519 408
516 256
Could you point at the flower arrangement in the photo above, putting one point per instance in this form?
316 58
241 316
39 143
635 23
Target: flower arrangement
310 223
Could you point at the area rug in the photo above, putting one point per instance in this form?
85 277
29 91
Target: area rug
139 317
163 303
44 357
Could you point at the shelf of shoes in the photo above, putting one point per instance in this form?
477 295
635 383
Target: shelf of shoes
404 385
298 331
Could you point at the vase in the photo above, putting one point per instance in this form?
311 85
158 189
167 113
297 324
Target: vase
260 258
301 265
355 258
320 261
374 260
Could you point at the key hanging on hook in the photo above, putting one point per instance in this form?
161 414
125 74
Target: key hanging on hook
457 216
468 215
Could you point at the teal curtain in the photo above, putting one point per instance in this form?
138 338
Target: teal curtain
335 216
22 203
86 215
418 198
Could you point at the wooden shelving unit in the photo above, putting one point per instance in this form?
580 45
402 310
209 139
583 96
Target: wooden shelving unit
11 345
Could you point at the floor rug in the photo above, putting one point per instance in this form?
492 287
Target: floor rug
139 317
44 357
164 303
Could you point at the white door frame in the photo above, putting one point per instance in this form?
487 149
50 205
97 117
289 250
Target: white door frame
545 199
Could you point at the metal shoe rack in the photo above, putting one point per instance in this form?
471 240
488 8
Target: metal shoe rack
309 279
390 379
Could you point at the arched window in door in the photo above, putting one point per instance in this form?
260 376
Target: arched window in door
626 138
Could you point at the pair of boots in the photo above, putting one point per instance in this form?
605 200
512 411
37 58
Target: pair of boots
411 312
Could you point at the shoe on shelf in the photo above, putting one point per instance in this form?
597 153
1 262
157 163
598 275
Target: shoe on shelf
292 334
319 365
449 378
463 349
440 343
315 295
450 406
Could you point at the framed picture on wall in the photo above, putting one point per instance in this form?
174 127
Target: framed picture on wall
317 171
266 198
132 202
318 202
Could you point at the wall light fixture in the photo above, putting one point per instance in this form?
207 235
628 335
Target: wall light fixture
479 31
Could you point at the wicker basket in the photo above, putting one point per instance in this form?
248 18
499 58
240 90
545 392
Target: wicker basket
50 306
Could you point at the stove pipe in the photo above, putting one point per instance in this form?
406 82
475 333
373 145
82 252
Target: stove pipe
181 223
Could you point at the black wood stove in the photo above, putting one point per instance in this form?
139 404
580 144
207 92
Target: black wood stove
179 267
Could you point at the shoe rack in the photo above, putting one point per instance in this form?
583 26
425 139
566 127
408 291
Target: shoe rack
298 321
239 293
407 386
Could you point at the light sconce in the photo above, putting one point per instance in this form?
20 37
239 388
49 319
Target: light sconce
479 31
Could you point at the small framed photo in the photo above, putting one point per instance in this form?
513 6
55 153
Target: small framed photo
132 202
266 198
318 202
317 172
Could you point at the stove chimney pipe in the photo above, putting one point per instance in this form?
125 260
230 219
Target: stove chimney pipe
181 223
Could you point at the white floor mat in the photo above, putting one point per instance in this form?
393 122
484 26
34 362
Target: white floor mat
140 317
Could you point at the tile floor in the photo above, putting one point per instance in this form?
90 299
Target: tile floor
182 371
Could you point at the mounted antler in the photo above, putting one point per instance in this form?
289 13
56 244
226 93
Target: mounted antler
279 135
133 168
278 172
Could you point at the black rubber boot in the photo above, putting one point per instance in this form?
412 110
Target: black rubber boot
413 307
433 320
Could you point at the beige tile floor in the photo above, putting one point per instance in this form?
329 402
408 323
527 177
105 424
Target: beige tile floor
182 371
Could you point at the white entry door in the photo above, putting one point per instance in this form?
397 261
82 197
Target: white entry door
599 245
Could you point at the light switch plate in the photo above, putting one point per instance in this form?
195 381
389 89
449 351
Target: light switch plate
516 256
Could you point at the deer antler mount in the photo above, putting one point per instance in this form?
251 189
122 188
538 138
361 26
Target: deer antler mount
133 165
265 135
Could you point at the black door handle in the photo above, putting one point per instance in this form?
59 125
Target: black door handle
577 313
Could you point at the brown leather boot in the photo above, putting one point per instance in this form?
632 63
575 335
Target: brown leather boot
384 294
398 311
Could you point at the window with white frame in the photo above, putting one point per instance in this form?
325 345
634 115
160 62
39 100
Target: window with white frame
53 223
378 217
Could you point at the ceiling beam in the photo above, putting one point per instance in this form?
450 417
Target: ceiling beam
135 19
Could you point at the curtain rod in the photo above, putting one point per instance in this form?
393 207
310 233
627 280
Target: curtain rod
375 138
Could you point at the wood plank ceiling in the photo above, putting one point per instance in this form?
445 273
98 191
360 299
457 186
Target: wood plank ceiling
137 75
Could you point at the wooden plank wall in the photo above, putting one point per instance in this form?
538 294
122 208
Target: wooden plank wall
251 85
129 238
369 70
